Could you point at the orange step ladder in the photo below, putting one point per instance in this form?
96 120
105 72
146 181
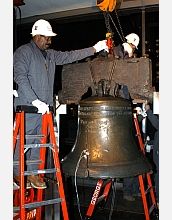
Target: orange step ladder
26 205
96 199
150 188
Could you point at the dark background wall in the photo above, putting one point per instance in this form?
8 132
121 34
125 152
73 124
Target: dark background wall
81 32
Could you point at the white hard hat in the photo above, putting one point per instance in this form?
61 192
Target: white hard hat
133 39
42 27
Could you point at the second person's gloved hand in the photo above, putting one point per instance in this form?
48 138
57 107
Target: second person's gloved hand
101 45
128 48
42 106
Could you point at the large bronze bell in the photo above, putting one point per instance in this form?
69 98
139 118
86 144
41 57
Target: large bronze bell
106 145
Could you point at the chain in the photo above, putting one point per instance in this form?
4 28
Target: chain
119 25
115 27
112 71
107 23
110 77
107 16
93 78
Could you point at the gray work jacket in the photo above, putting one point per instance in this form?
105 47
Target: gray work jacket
154 119
35 75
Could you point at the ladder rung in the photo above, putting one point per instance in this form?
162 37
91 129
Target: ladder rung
100 199
148 189
54 170
27 136
38 204
28 162
151 209
37 145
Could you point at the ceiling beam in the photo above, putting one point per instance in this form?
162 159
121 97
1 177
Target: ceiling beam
84 14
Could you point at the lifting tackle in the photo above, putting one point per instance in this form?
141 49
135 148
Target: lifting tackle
108 6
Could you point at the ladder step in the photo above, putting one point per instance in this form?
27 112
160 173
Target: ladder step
148 189
151 209
28 162
33 172
37 145
38 204
27 136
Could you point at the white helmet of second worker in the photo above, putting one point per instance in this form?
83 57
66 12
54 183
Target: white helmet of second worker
42 27
133 39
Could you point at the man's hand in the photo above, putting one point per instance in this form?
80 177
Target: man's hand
101 45
128 48
15 93
42 107
141 112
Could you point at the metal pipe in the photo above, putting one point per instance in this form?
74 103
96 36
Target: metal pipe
143 30
143 27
